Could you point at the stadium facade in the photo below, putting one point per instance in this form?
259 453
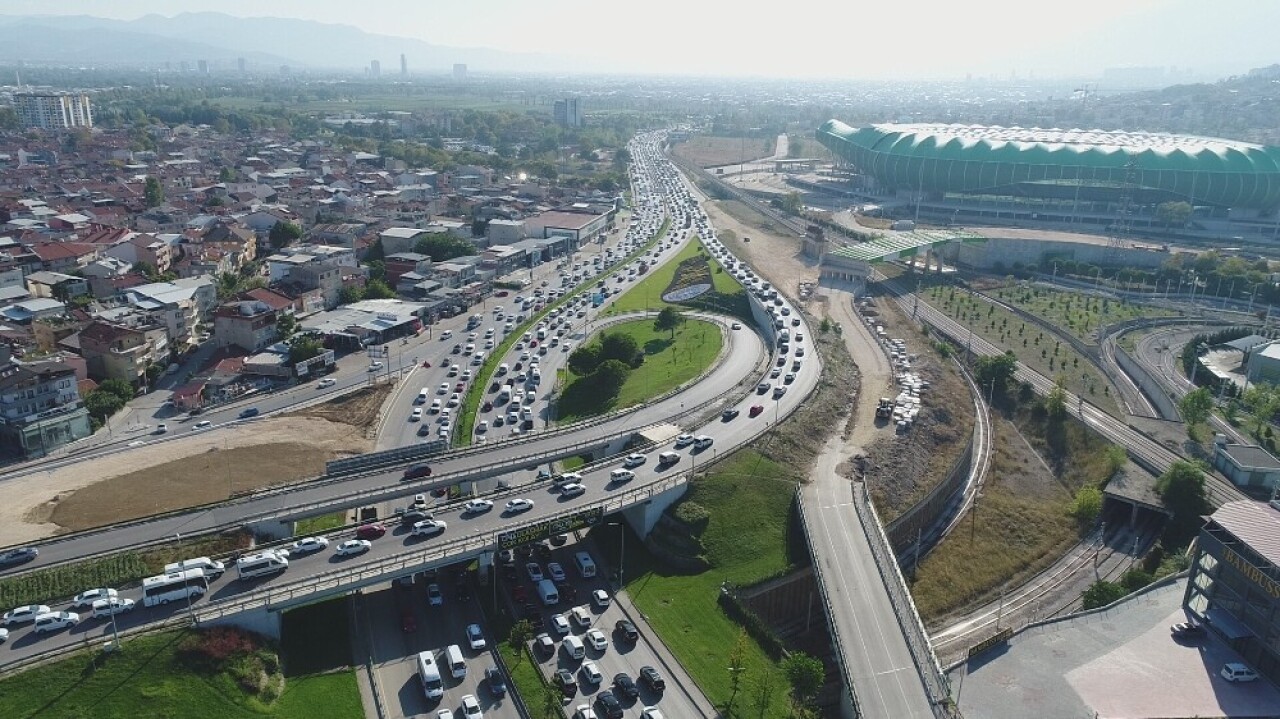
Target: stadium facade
1063 169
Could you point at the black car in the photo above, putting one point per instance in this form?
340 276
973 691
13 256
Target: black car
18 555
652 678
729 414
463 592
559 540
627 630
1190 629
609 705
626 685
565 681
408 518
497 685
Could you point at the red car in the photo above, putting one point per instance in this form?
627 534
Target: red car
503 293
518 593
459 387
417 471
370 531
755 410
407 623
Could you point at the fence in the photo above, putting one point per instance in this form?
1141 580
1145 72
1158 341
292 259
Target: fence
385 458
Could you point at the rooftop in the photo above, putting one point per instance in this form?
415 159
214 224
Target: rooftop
1251 455
1257 525
1138 140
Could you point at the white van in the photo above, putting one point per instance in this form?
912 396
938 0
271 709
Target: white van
261 564
457 665
212 567
548 593
422 396
666 458
581 617
573 647
429 673
586 565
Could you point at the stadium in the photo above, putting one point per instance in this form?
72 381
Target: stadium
1084 175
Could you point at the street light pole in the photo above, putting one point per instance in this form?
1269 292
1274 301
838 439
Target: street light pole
622 551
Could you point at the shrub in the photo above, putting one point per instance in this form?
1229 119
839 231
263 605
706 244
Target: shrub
213 649
692 515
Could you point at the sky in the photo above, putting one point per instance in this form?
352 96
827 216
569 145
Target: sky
867 39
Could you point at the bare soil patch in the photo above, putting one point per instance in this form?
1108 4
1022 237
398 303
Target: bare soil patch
358 409
773 253
708 151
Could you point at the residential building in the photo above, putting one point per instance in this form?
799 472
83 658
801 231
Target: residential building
400 239
567 113
143 248
55 285
118 351
281 264
505 232
1246 465
404 262
53 110
248 324
180 306
40 407
579 227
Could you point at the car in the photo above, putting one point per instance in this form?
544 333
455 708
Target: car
684 440
628 630
417 471
609 704
23 614
445 714
307 545
443 388
591 673
702 442
651 713
477 506
53 621
428 528
416 415
756 409
454 400
326 382
353 547
634 460
1190 629
88 597
584 711
534 571
518 505
544 644
414 515
572 489
652 679
597 640
555 571
475 636
1237 672
4 635
601 598
560 624
374 366
626 685
249 412
729 414
370 531
736 326
108 607
202 424
471 707
563 679
497 683
434 596
762 388
779 391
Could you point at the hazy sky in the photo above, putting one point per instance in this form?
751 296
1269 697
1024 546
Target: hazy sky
854 38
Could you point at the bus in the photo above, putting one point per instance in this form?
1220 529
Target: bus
175 586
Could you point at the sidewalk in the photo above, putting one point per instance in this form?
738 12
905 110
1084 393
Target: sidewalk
670 665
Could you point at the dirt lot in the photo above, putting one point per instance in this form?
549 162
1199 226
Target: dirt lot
188 471
707 151
775 255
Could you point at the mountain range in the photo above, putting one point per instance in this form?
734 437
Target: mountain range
265 42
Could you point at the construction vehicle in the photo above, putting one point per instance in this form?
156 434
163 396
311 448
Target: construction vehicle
884 409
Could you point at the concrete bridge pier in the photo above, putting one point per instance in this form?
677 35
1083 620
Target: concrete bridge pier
261 620
643 517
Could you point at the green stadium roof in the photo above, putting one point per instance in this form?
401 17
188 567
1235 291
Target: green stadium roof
997 160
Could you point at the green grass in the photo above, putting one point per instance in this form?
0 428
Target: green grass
476 392
44 586
1074 312
727 296
668 363
146 680
568 464
319 525
745 540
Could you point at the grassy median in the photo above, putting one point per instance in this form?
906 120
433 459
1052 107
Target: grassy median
727 296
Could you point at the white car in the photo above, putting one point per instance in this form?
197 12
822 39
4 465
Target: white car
560 624
534 571
584 711
4 635
428 528
702 442
591 673
555 571
684 440
651 713
517 506
326 382
477 506
352 547
475 636
572 489
87 598
375 366
22 615
444 714
597 640
600 597
434 596
416 415
471 707
111 607
454 400
53 621
309 544
634 460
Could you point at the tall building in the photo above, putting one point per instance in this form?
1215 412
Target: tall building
240 65
375 68
202 66
404 66
459 71
568 113
40 407
53 110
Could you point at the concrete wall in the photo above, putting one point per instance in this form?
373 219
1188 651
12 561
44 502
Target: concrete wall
986 255
644 517
1150 387
262 621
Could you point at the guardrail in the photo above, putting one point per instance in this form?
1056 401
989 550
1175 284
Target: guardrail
383 459
845 675
90 643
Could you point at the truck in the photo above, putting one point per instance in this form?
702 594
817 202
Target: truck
884 408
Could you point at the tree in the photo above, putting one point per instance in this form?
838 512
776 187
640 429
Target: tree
286 325
282 233
737 665
1087 505
669 319
521 633
621 347
998 370
153 192
795 146
226 174
102 404
792 203
609 377
1055 403
584 360
766 687
1174 214
1182 489
119 388
442 247
1262 400
806 675
303 348
378 290
347 295
1195 406
1100 594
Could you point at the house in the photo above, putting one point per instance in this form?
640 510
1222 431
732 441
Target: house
400 239
505 232
64 256
404 262
118 351
1246 465
142 247
248 324
180 306
55 285
453 274
40 406
28 311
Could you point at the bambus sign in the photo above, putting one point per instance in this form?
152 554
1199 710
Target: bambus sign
1253 574
997 638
